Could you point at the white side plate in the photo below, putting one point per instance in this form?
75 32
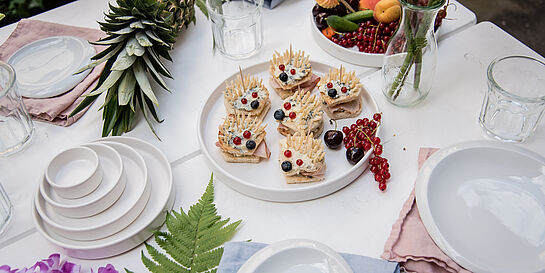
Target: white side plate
265 180
483 203
296 256
152 217
45 68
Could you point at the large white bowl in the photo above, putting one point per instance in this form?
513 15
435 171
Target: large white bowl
483 203
152 217
296 256
109 190
115 218
265 180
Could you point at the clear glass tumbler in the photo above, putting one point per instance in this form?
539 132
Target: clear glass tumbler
15 125
236 26
6 210
515 100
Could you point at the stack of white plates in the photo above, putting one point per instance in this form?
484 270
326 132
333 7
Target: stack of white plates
100 210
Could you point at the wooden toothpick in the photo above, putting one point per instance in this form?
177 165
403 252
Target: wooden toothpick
242 78
291 54
341 73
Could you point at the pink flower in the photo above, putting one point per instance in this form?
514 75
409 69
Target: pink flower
53 264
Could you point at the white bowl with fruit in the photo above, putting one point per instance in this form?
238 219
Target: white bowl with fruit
355 31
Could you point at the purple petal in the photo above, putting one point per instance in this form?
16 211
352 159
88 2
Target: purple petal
54 260
69 267
108 269
7 269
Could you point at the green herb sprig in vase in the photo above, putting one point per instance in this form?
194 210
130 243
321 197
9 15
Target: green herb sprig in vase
411 57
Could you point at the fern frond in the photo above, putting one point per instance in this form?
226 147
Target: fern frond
194 239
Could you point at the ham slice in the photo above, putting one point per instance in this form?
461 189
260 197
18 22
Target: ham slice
320 173
351 107
306 86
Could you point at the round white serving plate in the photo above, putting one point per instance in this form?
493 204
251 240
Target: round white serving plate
349 55
152 217
265 180
109 190
45 68
115 218
483 203
296 256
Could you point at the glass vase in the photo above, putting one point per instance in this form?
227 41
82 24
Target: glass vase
410 59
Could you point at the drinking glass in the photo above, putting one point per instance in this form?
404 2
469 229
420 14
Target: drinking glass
236 26
15 124
6 210
515 100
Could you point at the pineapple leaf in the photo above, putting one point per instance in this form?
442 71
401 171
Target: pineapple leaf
126 30
123 60
143 82
101 60
146 117
156 75
143 39
126 88
108 83
183 246
202 7
137 24
134 48
155 38
110 40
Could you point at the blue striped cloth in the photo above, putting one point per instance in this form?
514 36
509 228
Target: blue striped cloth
235 255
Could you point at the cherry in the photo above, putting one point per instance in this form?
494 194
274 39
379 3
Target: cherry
287 106
247 134
299 162
293 115
281 67
237 140
354 155
244 100
333 139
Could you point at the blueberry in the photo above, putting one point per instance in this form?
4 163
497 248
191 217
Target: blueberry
254 104
283 77
250 144
332 92
279 114
286 166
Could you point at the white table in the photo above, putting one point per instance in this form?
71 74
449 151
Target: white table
357 219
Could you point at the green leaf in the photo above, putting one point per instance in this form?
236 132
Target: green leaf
154 37
126 88
193 241
143 82
126 30
137 24
146 117
202 7
142 39
101 60
123 60
134 48
109 82
158 78
110 40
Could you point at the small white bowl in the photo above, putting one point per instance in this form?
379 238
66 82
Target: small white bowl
117 217
74 172
107 193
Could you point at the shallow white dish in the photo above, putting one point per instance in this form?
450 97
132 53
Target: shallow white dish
45 67
349 55
296 256
249 179
483 203
109 190
115 218
152 217
74 172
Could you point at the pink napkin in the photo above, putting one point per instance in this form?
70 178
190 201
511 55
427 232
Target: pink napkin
409 242
53 110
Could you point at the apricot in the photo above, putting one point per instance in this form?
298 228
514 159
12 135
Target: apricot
387 11
367 4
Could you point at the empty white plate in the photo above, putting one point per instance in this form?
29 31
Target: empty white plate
117 217
483 203
296 256
45 68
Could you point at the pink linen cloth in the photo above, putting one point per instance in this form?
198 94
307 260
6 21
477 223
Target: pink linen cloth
410 244
53 110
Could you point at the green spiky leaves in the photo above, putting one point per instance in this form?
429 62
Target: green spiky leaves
140 35
194 240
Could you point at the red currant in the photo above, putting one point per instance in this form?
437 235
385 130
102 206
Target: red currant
329 85
385 165
386 176
377 116
299 162
366 145
287 106
293 115
281 67
344 89
359 121
254 95
372 124
376 140
374 169
287 153
382 186
246 134
378 150
244 100
353 127
378 177
292 71
237 140
365 122
348 145
346 130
